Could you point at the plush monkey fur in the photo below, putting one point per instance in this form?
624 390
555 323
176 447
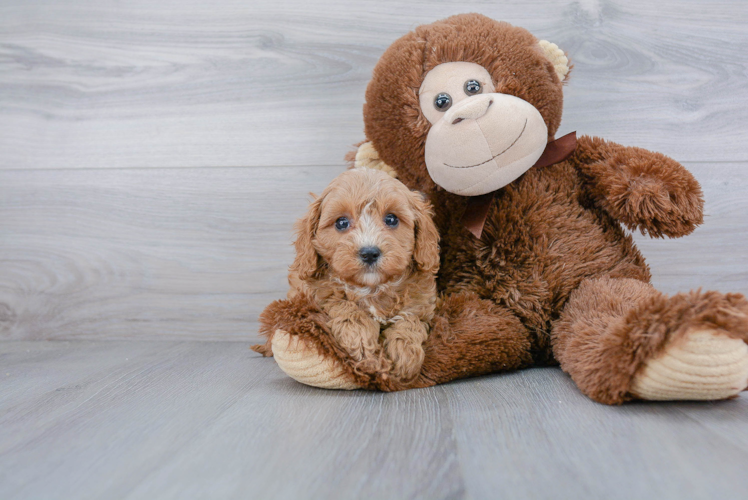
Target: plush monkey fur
554 277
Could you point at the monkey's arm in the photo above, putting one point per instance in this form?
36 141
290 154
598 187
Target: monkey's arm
642 189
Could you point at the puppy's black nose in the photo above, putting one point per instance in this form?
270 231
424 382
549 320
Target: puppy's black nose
369 254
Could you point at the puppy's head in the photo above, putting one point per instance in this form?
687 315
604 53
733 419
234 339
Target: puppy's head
367 229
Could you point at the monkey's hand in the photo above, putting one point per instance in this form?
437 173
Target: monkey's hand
403 344
644 190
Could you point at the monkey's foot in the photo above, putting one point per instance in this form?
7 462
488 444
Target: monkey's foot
304 364
704 364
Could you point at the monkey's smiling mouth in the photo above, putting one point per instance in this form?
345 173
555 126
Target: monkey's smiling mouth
496 156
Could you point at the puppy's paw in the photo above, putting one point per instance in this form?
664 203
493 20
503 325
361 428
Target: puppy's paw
357 334
403 344
406 357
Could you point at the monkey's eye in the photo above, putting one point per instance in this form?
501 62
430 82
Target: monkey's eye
342 224
443 101
391 220
473 87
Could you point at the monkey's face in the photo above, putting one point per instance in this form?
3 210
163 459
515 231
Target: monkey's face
480 140
466 103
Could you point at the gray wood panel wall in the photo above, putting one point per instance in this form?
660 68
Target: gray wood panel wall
154 155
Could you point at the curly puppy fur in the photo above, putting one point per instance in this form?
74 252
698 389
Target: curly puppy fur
391 299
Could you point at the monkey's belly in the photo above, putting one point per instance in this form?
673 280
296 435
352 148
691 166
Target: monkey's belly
537 246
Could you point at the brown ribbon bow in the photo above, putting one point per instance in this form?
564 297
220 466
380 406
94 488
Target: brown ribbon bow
478 206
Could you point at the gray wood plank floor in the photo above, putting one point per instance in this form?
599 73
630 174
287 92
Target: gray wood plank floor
130 419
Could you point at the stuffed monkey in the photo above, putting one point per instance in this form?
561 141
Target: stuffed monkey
536 267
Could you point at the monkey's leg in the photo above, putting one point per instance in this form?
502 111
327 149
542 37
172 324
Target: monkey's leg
621 339
300 341
468 337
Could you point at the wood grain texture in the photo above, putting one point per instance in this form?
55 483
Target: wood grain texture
198 253
107 84
534 430
181 420
156 253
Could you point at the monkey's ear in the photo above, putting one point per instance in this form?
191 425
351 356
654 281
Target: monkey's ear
307 261
368 157
557 57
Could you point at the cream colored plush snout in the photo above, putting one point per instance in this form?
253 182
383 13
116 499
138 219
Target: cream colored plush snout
471 108
484 142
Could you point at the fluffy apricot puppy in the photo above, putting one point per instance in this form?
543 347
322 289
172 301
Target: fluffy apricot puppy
367 254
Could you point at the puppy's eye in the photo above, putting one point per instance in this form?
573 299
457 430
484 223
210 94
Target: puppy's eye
473 87
391 220
342 224
443 101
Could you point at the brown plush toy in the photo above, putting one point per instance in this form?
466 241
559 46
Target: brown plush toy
535 265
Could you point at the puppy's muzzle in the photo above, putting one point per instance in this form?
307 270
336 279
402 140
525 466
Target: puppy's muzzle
369 255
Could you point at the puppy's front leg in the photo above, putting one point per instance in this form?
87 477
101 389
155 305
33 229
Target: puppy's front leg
403 343
355 330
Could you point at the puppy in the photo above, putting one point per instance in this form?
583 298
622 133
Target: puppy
367 252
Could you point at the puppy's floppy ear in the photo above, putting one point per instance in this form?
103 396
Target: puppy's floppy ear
307 261
426 251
